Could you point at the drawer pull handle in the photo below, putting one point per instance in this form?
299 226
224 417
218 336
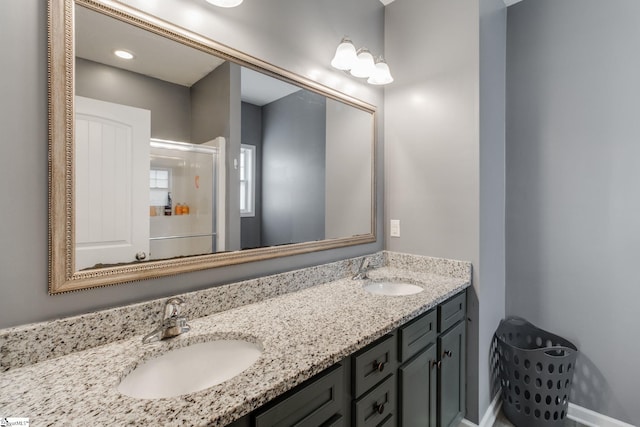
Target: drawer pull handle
447 353
433 364
378 366
379 408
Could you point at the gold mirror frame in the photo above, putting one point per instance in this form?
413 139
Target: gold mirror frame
62 275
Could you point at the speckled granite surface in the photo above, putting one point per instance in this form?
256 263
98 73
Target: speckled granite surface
302 333
32 343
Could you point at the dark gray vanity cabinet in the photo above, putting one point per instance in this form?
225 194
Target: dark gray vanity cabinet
431 377
411 377
452 360
417 374
373 384
451 375
417 386
317 402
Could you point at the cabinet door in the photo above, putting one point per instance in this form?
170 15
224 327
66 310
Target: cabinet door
452 376
417 389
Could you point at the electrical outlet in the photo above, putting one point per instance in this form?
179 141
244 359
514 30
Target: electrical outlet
394 228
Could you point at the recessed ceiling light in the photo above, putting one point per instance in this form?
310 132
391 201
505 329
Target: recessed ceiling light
123 54
225 3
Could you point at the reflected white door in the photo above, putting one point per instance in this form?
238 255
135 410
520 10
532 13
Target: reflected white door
111 182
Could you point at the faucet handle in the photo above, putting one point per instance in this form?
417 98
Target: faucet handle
362 269
172 307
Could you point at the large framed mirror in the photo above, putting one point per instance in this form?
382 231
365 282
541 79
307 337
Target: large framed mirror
187 154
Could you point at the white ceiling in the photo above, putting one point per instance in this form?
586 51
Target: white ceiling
260 89
97 36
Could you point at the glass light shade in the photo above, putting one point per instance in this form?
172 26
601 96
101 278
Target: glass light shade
381 75
225 3
365 65
345 56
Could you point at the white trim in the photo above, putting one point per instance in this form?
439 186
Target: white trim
492 412
576 413
251 180
591 418
490 415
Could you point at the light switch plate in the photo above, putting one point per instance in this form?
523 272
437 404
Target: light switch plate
394 228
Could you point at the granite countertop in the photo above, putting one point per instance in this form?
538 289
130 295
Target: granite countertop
302 333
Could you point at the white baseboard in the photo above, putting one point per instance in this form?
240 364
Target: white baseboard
591 418
576 413
466 423
490 415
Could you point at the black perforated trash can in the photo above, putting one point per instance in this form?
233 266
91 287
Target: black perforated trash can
535 369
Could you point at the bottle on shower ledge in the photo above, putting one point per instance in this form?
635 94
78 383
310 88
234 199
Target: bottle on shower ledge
167 207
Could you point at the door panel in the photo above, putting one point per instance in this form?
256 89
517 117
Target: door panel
451 349
418 390
111 182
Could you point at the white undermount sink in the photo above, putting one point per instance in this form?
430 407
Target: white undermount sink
392 288
189 369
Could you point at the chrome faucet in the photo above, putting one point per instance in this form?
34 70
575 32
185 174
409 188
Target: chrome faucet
172 323
364 268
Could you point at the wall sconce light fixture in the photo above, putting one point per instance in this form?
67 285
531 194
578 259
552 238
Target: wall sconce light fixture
361 63
225 3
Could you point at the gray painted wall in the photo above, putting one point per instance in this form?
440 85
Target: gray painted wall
432 141
573 167
262 29
444 153
293 169
169 103
491 270
251 226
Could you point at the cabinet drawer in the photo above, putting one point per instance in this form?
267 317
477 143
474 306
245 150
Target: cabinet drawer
314 404
378 406
451 311
373 364
417 335
335 421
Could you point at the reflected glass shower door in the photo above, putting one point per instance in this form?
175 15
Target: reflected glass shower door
189 227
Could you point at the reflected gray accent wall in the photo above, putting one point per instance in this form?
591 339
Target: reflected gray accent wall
210 112
293 169
348 177
215 102
262 29
169 103
251 226
573 168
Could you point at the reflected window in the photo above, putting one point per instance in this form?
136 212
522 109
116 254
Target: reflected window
247 180
159 186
